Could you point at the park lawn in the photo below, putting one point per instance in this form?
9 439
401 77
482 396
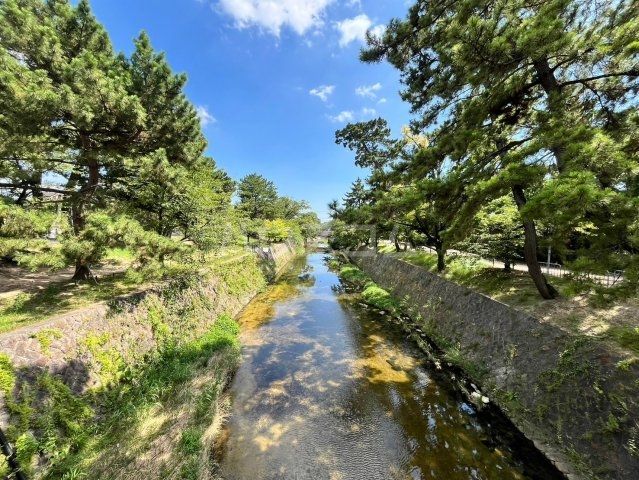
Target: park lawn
60 297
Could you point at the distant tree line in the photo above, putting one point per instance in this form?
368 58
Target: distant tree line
525 134
98 149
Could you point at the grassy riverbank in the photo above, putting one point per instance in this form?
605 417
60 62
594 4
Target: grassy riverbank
163 419
27 304
155 415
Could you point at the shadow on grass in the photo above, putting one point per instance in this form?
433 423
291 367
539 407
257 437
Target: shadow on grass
57 298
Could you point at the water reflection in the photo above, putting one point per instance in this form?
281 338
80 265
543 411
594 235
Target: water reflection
327 391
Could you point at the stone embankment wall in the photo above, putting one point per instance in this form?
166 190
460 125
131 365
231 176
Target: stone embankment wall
86 347
577 400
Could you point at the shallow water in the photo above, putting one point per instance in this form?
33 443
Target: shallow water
328 390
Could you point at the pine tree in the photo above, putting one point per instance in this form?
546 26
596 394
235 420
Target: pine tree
86 118
513 88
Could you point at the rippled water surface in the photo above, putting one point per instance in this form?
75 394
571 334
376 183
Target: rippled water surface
327 390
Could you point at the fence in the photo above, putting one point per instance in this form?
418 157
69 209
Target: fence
608 279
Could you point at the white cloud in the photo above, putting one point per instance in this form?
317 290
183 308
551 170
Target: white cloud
273 15
322 92
205 116
345 116
382 100
378 30
369 112
352 29
368 91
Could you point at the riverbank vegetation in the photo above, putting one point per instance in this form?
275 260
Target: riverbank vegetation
102 154
159 412
523 142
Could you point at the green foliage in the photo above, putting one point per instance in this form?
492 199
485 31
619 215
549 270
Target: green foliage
7 374
45 338
4 467
52 421
346 236
191 441
121 144
354 275
380 298
506 94
309 225
497 232
276 230
627 337
109 361
240 275
257 197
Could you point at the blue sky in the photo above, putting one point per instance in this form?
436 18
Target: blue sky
273 80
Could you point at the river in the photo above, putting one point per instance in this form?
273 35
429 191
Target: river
328 389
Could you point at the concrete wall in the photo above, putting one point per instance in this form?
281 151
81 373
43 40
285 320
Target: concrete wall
567 394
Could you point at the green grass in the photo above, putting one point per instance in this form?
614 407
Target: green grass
60 297
625 336
513 288
4 468
120 256
126 406
380 298
354 275
27 308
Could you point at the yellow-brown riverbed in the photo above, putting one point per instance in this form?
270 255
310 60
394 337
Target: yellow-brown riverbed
327 390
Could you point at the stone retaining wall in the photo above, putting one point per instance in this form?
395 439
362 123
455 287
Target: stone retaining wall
577 400
75 345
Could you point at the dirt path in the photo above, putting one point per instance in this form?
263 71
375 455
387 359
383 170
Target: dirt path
16 280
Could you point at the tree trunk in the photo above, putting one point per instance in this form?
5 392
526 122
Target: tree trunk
375 239
397 246
82 272
441 258
546 290
507 265
82 198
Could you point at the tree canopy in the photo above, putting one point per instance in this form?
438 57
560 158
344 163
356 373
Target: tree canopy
99 149
535 101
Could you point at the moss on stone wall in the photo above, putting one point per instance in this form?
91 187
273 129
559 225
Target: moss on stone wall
7 375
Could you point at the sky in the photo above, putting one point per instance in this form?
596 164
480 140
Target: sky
272 80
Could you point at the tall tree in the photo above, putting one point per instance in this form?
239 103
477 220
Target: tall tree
257 197
87 117
552 74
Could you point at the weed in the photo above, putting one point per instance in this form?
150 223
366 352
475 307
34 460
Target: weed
626 337
7 374
380 298
45 338
191 441
109 360
569 365
612 424
353 275
624 365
